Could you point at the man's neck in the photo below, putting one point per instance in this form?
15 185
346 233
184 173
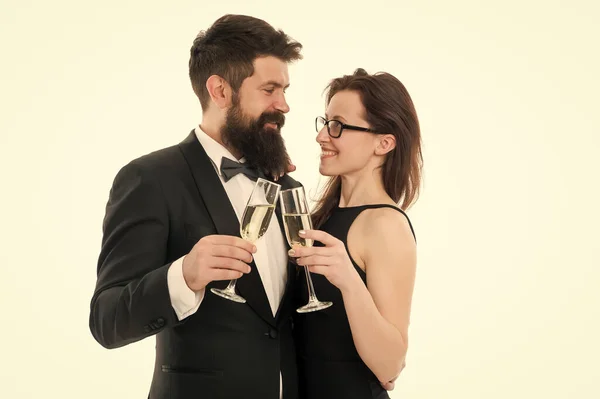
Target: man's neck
213 130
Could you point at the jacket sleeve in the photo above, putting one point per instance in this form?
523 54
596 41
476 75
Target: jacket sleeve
131 298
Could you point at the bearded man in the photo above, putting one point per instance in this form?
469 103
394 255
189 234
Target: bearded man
171 231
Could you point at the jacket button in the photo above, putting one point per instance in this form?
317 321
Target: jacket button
273 333
147 329
160 322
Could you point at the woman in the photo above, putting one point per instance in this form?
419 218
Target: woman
364 258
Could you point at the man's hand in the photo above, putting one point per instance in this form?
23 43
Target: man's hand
390 385
217 257
276 175
291 167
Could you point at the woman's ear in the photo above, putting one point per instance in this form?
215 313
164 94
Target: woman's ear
219 91
387 143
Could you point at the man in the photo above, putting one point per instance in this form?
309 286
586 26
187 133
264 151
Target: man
171 232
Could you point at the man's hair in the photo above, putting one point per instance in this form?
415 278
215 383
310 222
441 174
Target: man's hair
229 47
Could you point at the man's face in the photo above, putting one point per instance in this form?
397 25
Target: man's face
256 116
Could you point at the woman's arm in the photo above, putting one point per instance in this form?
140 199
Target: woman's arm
378 316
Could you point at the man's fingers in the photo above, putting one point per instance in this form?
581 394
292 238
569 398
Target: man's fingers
223 274
218 239
390 385
229 264
290 165
230 251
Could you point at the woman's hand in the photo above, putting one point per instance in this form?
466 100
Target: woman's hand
331 261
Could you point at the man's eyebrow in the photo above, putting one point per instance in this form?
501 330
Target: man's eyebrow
275 83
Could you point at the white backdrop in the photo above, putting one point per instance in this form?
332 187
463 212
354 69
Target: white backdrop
506 302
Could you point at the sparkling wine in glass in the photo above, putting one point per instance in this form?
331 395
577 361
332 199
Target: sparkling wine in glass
296 217
255 222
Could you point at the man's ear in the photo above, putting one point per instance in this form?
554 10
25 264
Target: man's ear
219 91
387 143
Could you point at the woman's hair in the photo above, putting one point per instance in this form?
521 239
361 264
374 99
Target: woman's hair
389 110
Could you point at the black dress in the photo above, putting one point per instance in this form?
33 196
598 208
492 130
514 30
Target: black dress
328 362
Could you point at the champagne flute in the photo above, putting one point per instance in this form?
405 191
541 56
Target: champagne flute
296 217
255 222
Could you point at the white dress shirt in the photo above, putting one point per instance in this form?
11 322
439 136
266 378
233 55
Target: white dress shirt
270 258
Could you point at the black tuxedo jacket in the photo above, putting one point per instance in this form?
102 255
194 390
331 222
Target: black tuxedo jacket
159 206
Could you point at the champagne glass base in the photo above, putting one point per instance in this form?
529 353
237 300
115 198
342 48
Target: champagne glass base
225 293
313 306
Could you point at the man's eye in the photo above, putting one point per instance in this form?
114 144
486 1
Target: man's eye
270 91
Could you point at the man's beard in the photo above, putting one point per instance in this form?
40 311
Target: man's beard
263 148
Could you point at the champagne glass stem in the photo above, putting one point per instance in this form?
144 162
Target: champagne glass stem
311 290
256 219
231 286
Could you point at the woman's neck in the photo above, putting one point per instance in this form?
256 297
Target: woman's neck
363 190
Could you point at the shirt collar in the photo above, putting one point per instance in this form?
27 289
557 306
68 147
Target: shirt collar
214 149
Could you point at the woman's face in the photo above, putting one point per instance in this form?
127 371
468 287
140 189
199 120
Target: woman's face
353 151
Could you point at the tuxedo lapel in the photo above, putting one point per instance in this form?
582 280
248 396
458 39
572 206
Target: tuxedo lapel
221 211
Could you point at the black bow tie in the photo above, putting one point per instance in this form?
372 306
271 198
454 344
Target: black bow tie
230 168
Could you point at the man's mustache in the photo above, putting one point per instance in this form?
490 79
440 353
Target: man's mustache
272 117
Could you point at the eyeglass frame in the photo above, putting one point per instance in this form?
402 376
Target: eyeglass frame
342 127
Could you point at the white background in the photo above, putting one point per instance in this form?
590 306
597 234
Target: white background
506 303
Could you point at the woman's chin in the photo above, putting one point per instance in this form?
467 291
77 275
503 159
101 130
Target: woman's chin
325 171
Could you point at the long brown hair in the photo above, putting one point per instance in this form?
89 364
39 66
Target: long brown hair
389 110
